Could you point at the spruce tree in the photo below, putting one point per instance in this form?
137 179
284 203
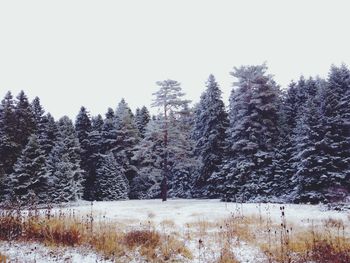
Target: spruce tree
109 132
253 135
209 133
38 112
310 176
127 138
149 157
25 120
336 141
182 163
63 165
29 176
83 128
47 133
9 147
286 146
95 150
111 183
142 117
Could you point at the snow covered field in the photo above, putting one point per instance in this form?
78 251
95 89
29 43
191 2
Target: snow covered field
183 211
179 217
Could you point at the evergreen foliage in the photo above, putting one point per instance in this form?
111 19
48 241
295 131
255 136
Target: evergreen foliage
209 133
274 145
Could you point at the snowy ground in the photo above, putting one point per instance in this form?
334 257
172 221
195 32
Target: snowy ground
181 214
33 252
185 211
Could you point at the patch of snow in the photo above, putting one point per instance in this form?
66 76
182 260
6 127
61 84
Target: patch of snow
38 253
183 211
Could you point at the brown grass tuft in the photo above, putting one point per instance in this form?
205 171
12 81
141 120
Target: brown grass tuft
142 238
226 256
3 258
65 229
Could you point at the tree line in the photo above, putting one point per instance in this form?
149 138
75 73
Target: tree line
269 144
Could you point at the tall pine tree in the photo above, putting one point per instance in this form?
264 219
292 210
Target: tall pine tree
29 176
111 183
83 128
63 165
209 133
253 135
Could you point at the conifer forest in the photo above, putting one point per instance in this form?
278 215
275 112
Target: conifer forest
269 144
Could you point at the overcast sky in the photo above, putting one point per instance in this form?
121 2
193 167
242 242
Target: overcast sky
93 53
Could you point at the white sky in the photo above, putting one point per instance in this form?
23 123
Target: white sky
93 53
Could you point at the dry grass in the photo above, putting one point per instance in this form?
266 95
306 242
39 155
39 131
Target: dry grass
68 230
226 256
283 242
3 258
324 242
168 223
143 238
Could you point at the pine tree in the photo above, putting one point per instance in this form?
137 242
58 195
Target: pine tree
309 177
336 141
142 118
63 165
182 163
97 123
29 176
111 183
253 135
38 112
95 150
286 145
149 156
127 138
45 127
9 147
47 133
169 99
83 128
109 132
209 132
25 121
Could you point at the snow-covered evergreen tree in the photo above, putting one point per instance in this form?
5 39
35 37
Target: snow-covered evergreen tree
111 183
169 98
127 138
38 112
109 132
297 100
309 177
142 118
47 133
29 176
253 135
63 165
83 128
9 147
286 149
182 164
209 134
25 120
45 127
95 150
149 158
336 141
